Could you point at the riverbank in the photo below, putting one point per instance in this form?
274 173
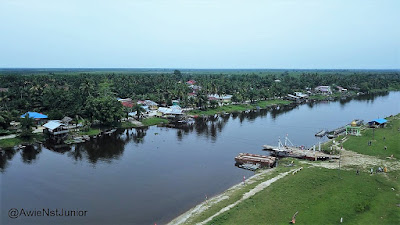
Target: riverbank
239 107
234 195
16 141
323 192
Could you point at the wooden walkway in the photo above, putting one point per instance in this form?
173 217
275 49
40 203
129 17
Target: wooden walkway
295 152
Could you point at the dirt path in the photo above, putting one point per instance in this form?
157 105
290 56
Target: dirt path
205 205
8 136
347 159
354 159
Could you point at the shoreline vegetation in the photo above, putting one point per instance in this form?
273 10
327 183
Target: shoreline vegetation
95 95
151 121
239 107
322 192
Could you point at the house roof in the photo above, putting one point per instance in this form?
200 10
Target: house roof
172 110
127 104
66 119
34 115
52 124
150 103
379 121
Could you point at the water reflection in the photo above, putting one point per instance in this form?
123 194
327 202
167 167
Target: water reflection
29 153
5 156
108 148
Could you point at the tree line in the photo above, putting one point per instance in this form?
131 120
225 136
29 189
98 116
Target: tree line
94 96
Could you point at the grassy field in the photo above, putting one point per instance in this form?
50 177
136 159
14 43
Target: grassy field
11 142
153 121
381 137
235 195
320 197
238 108
127 125
91 132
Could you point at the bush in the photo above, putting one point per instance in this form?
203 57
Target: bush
4 132
362 207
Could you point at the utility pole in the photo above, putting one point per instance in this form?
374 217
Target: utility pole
373 133
340 159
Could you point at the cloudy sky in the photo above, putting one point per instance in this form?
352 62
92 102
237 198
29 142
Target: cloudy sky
308 34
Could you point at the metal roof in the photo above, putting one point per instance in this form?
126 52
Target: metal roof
379 120
34 115
52 124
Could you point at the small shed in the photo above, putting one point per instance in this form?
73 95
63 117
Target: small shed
377 123
66 120
353 129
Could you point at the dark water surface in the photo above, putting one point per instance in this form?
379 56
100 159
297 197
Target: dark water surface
151 176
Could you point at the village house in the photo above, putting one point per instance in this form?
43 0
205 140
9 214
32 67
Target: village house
171 111
220 98
150 104
376 123
38 117
191 95
301 95
56 130
341 89
195 88
323 89
127 103
191 82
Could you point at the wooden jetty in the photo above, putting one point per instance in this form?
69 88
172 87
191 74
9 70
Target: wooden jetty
284 150
261 160
295 152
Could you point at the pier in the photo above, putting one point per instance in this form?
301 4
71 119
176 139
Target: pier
283 150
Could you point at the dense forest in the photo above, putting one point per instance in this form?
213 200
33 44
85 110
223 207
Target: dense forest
91 95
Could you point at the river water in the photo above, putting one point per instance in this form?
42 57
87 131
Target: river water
151 176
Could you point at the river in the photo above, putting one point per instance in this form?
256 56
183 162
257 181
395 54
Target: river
152 175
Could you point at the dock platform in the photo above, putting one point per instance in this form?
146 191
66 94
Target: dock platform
287 151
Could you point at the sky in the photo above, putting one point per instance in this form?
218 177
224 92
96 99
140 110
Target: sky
289 34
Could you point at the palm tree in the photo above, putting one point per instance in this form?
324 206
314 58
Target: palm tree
138 108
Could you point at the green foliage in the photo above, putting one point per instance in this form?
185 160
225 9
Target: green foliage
153 121
10 142
90 132
68 92
5 119
138 109
105 109
26 127
238 108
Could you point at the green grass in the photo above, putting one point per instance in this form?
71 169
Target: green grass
238 108
127 125
153 121
235 195
390 133
11 142
90 132
320 197
264 104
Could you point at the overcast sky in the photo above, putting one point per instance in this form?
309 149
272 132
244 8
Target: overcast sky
308 34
